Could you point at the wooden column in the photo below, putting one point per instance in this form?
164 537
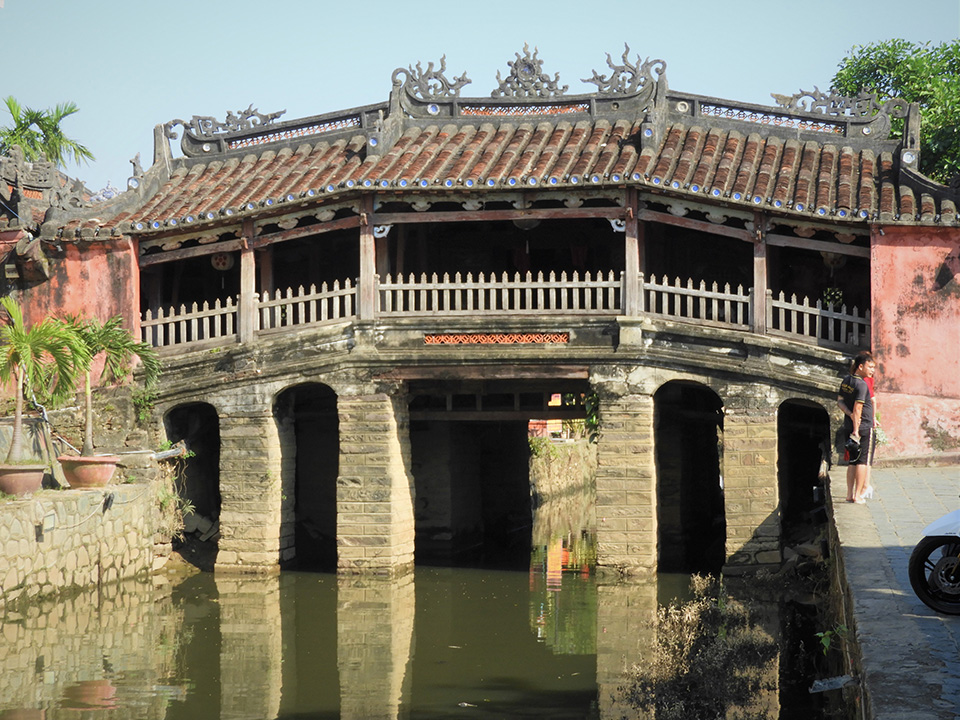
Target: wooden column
633 252
760 275
248 286
265 266
367 290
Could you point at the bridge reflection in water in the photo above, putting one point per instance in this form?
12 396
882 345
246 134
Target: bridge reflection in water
436 643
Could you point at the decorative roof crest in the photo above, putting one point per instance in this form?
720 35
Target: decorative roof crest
430 84
527 79
864 105
208 126
628 78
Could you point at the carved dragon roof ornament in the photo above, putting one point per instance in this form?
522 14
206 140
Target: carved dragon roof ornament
628 78
864 105
208 126
527 79
430 84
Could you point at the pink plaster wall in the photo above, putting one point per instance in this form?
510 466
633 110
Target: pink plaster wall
93 280
916 338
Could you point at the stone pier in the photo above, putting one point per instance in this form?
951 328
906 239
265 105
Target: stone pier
375 490
626 484
751 494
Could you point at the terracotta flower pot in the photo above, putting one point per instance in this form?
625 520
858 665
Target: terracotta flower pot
21 479
88 472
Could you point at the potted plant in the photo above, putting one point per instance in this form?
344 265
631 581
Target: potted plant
118 348
43 360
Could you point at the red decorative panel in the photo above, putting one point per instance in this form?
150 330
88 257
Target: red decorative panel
497 338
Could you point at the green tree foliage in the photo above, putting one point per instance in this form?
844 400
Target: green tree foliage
38 132
118 347
43 361
921 73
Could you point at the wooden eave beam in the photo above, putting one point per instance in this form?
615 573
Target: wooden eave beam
818 245
606 213
185 253
699 225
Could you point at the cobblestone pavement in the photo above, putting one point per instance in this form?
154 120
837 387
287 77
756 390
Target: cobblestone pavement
911 655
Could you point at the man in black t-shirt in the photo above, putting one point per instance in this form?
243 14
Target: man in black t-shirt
857 406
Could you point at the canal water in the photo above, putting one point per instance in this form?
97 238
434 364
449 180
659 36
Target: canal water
550 640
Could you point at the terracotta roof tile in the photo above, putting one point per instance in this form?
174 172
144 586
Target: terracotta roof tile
551 151
804 193
769 162
826 180
747 173
754 167
588 156
668 155
686 164
571 152
708 160
727 167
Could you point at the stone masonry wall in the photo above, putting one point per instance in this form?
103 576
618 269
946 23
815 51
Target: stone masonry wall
375 490
61 539
751 495
626 485
251 491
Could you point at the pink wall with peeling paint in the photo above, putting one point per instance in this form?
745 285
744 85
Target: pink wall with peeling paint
915 288
98 280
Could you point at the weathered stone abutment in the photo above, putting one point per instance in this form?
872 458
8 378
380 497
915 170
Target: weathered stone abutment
370 371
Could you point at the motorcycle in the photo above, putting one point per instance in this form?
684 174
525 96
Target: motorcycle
934 567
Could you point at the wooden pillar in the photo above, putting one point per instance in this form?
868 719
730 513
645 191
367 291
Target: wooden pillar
248 287
633 252
760 275
265 266
368 262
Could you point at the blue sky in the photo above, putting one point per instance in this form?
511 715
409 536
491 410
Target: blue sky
130 64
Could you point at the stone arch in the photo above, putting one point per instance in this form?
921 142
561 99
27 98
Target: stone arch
197 425
803 457
688 442
308 425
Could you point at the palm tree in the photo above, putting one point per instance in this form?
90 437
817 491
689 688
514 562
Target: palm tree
38 133
118 347
42 360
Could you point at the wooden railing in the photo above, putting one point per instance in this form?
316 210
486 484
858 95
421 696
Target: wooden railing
824 324
711 305
184 326
307 307
528 295
400 297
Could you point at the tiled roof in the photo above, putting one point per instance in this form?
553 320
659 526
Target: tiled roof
791 160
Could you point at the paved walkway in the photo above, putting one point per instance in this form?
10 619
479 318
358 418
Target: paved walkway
911 655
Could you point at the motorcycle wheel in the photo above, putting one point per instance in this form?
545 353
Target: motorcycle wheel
934 571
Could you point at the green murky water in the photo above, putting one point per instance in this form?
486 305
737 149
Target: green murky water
550 641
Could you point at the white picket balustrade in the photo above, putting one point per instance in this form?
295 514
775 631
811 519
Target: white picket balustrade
307 307
182 326
688 302
820 323
488 295
495 295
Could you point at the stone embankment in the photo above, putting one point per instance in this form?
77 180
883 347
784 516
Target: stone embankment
58 540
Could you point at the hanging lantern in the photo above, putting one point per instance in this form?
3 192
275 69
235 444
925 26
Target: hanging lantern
222 261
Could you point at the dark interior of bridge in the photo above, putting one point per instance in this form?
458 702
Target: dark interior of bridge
803 456
688 430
